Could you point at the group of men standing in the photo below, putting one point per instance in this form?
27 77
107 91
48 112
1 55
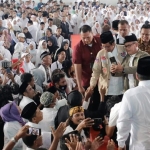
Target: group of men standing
119 66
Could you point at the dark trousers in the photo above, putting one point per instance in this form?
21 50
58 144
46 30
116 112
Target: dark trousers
95 100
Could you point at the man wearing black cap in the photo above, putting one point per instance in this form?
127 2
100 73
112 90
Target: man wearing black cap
60 56
101 68
45 66
27 92
129 64
32 113
134 111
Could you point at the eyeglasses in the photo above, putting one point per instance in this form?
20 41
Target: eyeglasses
129 45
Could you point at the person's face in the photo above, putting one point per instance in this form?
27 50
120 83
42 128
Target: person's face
49 43
62 82
31 47
78 118
97 25
47 60
44 45
14 14
55 14
131 47
42 26
66 46
87 37
38 115
48 33
23 15
57 95
62 56
108 47
32 82
21 39
145 35
50 23
123 29
53 103
59 31
29 92
64 18
28 58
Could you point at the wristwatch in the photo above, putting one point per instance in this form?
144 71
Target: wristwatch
13 140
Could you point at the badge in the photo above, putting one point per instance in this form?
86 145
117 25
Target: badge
123 54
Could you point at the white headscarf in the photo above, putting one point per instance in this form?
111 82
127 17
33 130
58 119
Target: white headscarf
40 50
96 30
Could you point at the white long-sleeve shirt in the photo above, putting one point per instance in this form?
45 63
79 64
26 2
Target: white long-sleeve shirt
134 117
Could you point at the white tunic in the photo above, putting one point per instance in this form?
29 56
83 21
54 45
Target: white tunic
134 117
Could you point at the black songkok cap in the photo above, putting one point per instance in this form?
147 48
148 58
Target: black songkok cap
130 38
143 67
106 37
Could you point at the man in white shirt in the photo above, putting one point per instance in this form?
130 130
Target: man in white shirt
71 24
59 37
48 100
134 111
123 30
50 25
23 20
40 33
32 29
45 66
60 57
28 93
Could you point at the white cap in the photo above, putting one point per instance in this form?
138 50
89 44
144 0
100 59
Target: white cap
21 35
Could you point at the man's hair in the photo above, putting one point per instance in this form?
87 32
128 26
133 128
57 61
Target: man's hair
142 77
59 28
145 26
123 22
30 22
85 28
42 23
29 140
49 29
56 77
50 19
111 42
26 77
106 28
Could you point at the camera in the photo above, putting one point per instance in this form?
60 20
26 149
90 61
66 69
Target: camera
99 126
6 64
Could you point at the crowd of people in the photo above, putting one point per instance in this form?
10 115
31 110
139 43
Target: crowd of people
94 96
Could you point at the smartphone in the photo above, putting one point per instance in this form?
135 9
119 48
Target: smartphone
8 70
34 131
97 124
98 121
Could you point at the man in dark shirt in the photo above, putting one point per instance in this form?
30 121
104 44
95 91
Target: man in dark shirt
84 55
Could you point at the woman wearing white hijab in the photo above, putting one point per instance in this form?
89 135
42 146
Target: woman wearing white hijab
32 51
27 64
41 48
96 29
